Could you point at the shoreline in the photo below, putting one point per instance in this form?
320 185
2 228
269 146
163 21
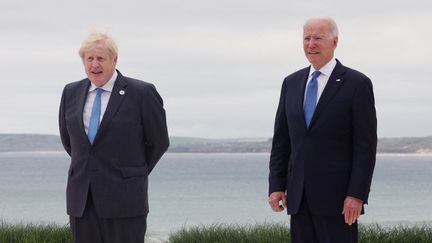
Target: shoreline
385 223
209 153
404 154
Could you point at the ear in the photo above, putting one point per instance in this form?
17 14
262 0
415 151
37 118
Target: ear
335 42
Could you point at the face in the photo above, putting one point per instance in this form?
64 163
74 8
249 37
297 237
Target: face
318 43
99 64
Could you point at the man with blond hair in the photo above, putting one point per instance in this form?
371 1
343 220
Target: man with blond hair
114 129
324 143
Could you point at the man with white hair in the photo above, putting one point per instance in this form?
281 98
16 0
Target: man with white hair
324 143
114 129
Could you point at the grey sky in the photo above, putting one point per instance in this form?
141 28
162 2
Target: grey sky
219 65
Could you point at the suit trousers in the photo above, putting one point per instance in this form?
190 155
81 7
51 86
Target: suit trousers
90 228
309 228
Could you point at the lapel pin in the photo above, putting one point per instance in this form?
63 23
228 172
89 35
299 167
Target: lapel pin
338 80
121 92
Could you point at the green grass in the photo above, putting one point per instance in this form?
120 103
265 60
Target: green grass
396 234
264 233
34 233
274 233
221 233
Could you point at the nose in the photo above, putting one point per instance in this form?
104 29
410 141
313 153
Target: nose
95 63
311 45
312 42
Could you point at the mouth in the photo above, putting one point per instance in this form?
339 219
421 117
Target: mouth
96 72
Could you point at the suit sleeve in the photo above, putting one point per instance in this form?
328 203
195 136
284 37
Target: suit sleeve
280 151
364 141
64 135
155 127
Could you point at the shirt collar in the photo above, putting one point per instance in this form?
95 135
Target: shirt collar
108 86
326 69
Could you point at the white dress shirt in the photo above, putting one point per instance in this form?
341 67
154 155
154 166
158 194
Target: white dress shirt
88 106
326 70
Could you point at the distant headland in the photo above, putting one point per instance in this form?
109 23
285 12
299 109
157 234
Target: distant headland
44 142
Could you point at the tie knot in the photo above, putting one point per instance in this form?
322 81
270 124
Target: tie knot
99 91
316 74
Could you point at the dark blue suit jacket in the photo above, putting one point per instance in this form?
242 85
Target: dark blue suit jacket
335 156
131 139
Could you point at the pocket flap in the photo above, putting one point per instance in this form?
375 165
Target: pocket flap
134 171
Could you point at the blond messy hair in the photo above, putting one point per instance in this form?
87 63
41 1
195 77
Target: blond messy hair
95 38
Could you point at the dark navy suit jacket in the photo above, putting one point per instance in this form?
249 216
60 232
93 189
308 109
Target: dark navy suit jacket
335 156
131 139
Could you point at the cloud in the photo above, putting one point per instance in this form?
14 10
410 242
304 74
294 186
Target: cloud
219 65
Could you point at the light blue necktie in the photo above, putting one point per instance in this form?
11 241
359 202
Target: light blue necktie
311 98
95 116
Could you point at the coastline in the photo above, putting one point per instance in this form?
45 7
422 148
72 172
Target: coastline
404 154
57 152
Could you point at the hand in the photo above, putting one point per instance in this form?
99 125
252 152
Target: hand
352 209
274 201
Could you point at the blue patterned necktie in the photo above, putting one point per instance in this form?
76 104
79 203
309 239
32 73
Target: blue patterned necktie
95 116
311 98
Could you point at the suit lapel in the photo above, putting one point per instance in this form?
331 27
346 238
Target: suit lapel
301 91
333 84
117 95
82 96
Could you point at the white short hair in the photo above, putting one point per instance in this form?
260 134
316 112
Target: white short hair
331 24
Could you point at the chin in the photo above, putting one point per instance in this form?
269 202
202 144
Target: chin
96 81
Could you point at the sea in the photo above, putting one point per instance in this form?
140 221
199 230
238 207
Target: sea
188 189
